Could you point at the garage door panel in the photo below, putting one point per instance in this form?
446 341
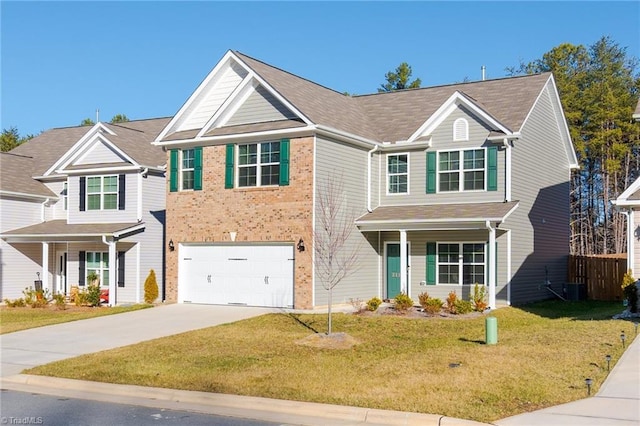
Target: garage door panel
237 274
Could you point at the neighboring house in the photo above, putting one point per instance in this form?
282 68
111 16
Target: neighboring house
629 203
452 185
84 199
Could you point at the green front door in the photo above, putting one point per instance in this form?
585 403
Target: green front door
393 270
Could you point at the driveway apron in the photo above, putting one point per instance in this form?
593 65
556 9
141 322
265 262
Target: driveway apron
37 346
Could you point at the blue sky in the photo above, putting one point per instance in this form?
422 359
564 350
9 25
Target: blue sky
61 61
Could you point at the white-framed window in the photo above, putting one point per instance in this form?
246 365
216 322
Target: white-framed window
463 170
259 164
187 168
102 192
398 173
461 263
461 130
98 262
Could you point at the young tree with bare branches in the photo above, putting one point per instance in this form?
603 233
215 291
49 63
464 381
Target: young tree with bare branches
335 254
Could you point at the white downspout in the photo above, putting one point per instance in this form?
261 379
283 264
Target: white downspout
631 243
369 157
42 206
507 166
112 270
45 266
139 196
509 276
491 264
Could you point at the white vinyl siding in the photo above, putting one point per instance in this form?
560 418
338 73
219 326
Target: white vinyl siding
348 165
261 106
540 224
99 153
208 102
128 215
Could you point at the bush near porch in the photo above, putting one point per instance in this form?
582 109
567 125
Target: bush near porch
429 364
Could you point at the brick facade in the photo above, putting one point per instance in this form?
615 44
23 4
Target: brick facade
267 214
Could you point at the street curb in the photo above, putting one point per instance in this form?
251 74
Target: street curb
267 409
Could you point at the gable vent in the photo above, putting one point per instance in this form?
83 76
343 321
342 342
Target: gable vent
460 130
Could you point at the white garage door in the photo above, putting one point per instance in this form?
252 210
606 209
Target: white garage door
260 275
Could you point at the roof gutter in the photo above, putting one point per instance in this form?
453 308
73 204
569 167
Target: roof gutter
345 136
239 137
25 195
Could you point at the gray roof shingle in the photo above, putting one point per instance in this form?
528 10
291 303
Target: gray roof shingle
15 175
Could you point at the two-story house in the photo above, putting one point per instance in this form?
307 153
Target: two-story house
84 199
451 186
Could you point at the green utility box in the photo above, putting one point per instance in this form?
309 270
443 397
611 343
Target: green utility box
491 330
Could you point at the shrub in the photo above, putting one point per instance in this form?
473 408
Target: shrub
150 287
403 302
479 298
93 278
423 299
16 303
451 302
60 302
433 306
463 306
92 295
36 298
630 291
374 303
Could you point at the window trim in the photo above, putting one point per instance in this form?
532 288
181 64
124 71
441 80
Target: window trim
182 169
461 170
461 263
102 193
258 164
408 173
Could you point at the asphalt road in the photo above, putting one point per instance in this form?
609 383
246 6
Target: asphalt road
21 408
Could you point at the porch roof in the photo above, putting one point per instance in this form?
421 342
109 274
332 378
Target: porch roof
436 216
61 231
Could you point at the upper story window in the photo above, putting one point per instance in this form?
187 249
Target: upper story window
259 164
461 130
102 192
185 169
397 173
461 170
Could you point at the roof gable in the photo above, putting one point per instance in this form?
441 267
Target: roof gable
231 94
631 196
456 100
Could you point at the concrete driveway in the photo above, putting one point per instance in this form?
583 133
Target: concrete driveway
37 346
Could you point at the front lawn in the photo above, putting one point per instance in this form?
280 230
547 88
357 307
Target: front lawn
437 365
16 319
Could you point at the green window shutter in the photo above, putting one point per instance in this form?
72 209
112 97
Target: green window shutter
431 172
197 168
431 263
492 168
173 170
228 167
284 162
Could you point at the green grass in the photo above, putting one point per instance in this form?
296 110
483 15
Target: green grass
16 319
544 353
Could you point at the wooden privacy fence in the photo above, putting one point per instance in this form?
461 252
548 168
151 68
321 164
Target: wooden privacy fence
602 275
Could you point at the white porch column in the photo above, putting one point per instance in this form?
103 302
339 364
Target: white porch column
491 265
45 267
403 262
631 242
113 271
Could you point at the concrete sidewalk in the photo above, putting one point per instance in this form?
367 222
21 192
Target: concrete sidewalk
617 403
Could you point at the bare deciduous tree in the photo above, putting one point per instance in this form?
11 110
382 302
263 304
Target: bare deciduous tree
335 258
